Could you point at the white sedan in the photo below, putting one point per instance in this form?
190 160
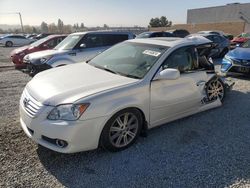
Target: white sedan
15 40
134 86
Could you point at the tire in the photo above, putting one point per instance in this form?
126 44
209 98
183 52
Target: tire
223 53
215 89
118 135
9 44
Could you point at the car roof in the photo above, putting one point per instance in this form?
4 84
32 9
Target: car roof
173 41
101 32
204 34
56 35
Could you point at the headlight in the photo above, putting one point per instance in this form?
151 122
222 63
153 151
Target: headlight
70 112
44 59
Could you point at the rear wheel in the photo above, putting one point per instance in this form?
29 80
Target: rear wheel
121 130
9 44
215 89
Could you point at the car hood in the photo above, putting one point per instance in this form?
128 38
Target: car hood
45 53
72 82
240 53
21 49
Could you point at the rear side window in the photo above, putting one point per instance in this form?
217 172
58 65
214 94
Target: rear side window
168 35
17 37
110 40
157 35
100 40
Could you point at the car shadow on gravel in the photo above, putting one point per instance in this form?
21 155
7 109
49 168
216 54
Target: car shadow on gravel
209 149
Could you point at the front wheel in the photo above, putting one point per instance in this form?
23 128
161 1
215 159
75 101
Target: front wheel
121 130
215 89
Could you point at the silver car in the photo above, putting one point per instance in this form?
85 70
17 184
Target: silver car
77 47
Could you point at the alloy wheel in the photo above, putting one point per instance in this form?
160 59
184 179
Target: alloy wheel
123 130
215 89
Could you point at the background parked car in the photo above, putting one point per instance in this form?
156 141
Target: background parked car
222 44
40 36
46 43
179 33
237 61
241 38
17 40
212 32
77 47
152 34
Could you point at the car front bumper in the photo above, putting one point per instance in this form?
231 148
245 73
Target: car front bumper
80 135
232 68
34 69
18 61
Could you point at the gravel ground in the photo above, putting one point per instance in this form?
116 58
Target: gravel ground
210 149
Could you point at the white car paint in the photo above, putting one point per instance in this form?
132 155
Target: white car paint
160 100
17 40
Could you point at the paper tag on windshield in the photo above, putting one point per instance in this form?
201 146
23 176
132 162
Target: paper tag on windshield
151 53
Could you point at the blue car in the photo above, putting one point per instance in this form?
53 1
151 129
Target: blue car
237 61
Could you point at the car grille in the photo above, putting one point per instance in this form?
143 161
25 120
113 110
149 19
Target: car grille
245 62
31 105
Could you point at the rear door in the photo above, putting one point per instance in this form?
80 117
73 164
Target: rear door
171 99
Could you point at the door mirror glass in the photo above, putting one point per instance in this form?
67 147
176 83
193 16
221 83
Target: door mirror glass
82 45
168 74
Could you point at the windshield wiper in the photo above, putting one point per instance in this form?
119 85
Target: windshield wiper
119 73
106 69
129 75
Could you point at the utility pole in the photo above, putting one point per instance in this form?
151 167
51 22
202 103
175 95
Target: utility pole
20 17
21 21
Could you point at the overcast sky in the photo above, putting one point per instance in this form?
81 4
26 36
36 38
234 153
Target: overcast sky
99 12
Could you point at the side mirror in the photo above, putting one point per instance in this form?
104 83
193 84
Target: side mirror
168 74
45 46
83 45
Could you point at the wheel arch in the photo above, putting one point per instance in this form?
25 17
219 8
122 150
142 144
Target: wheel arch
144 121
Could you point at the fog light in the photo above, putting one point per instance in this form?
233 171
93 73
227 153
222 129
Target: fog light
61 143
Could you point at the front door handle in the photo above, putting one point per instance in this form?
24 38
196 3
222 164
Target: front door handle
201 83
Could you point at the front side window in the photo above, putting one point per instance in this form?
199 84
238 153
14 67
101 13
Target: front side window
69 42
94 40
51 43
129 59
181 59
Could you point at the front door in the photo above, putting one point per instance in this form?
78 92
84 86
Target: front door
171 99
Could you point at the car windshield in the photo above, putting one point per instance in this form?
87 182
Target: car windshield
69 42
246 44
129 59
143 35
37 43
